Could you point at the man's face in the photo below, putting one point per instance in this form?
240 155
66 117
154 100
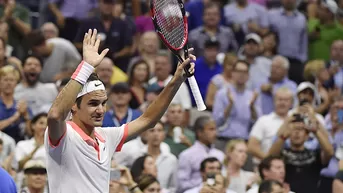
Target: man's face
156 135
283 102
211 17
120 98
150 42
306 94
213 167
337 51
175 115
251 48
276 171
8 83
337 106
240 74
106 9
32 69
299 134
92 108
210 54
105 71
36 180
162 67
209 132
278 71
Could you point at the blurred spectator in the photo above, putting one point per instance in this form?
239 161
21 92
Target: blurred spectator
148 48
132 150
69 13
219 81
189 175
18 19
303 165
5 47
272 168
270 42
327 175
33 148
235 107
178 137
335 65
316 73
152 92
60 56
31 89
290 26
278 78
195 12
166 162
163 68
120 113
35 177
13 111
114 33
266 127
138 77
7 146
110 74
49 30
338 182
271 186
143 165
7 184
143 21
245 17
212 28
259 66
324 30
149 184
5 58
236 156
207 66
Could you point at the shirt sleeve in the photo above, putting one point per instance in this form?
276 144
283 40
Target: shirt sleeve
219 107
116 136
19 152
184 174
257 130
56 150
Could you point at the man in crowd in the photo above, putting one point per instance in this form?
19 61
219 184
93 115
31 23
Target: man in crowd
35 177
303 165
266 127
335 66
31 89
189 175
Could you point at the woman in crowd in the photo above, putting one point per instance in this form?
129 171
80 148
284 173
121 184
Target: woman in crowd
236 156
316 73
220 80
143 165
149 184
138 80
270 44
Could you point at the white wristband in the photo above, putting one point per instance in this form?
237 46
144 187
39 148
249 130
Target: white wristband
82 73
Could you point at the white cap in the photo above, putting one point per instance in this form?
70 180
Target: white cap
34 164
331 5
253 36
305 85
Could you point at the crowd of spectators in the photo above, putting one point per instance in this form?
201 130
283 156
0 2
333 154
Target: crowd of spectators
269 71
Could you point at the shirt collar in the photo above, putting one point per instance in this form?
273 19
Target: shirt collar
203 146
294 13
83 135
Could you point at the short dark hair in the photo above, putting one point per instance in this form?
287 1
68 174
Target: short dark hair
266 163
36 118
35 38
92 77
267 186
234 66
200 123
33 56
212 5
207 160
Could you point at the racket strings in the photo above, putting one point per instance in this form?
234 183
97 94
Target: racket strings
170 20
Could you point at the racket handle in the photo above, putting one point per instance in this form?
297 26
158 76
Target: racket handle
196 94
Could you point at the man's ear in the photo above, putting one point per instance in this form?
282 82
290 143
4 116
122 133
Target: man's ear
74 108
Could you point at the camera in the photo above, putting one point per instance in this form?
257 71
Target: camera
211 179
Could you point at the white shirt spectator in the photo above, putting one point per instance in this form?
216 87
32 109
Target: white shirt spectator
265 128
25 148
198 188
181 97
36 96
167 165
135 149
255 188
8 146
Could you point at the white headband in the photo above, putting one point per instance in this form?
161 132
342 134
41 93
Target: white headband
90 87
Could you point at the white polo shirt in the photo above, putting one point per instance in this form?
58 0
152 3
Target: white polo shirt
78 164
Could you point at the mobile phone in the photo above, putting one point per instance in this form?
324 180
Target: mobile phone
340 116
211 179
298 117
303 102
115 174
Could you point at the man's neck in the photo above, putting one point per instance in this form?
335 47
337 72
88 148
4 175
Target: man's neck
162 78
87 130
120 110
147 55
239 88
211 29
298 148
282 115
154 151
205 143
7 98
26 84
34 190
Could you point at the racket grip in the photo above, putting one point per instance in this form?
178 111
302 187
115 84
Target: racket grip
196 94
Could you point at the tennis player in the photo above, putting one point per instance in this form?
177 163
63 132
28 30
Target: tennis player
80 151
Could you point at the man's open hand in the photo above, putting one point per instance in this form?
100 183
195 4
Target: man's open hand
90 48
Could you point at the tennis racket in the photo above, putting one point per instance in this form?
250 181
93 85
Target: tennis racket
170 21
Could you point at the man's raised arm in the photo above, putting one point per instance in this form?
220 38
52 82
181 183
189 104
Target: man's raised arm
67 97
156 110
